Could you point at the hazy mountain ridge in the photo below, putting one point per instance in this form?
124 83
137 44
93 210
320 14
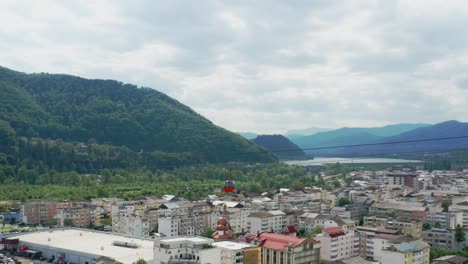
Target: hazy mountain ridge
441 130
281 146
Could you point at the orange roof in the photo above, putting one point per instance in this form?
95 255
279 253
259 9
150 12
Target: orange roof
278 241
334 231
331 230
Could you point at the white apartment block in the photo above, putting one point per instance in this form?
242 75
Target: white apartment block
463 207
232 252
336 244
275 221
133 225
188 249
168 226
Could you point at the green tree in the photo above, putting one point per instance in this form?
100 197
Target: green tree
317 230
207 233
459 234
445 205
344 201
140 261
301 232
68 222
426 226
437 225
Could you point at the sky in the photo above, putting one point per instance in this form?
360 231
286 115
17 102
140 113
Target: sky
259 66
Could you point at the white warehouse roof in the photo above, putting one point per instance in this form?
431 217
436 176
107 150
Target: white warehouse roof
92 242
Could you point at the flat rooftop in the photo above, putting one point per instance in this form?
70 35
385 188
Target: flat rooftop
88 241
232 245
193 239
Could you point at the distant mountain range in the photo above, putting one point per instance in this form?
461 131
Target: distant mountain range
296 133
281 146
387 134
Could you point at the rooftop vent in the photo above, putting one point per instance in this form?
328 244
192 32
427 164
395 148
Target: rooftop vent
125 244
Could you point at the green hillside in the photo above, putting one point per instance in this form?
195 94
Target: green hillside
43 111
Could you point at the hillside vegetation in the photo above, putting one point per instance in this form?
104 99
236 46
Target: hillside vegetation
63 122
283 148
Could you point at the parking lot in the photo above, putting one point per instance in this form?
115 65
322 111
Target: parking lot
12 259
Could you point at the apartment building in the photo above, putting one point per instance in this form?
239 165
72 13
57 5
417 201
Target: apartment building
133 225
373 240
447 220
463 207
40 212
235 253
404 226
274 221
336 244
309 221
74 216
441 238
415 252
277 249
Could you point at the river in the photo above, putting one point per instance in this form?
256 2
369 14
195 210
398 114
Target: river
321 161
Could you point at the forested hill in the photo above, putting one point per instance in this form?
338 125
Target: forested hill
281 146
110 113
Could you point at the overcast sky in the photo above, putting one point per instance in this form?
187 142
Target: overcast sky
259 66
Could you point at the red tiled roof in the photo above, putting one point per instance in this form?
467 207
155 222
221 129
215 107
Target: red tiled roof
278 241
334 231
331 230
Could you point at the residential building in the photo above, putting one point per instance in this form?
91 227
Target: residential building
74 216
336 244
133 225
185 250
234 253
277 249
168 226
309 221
373 240
404 226
441 238
463 207
342 212
415 252
405 179
447 220
401 209
274 221
40 212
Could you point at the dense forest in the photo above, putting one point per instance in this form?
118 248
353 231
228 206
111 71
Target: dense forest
70 124
191 182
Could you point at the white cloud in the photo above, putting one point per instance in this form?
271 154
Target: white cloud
265 67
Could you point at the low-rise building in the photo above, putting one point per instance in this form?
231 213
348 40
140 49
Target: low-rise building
274 221
234 253
463 207
185 250
416 252
404 226
82 246
441 238
277 249
447 220
133 225
74 216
